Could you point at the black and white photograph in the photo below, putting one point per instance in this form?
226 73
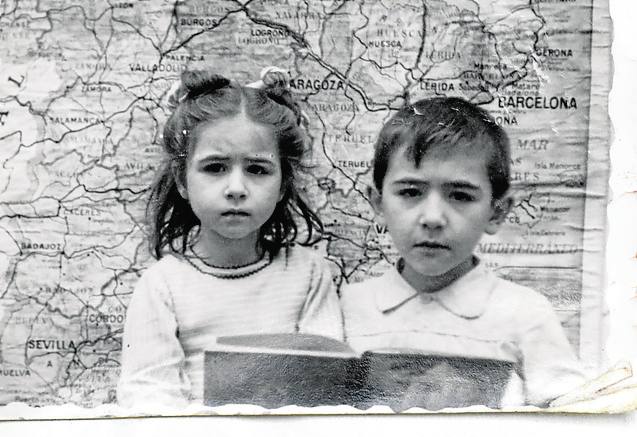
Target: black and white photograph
292 206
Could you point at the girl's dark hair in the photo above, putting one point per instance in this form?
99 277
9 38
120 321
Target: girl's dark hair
204 97
445 124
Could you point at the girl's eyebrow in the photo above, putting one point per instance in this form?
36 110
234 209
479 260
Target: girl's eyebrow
226 158
213 157
260 159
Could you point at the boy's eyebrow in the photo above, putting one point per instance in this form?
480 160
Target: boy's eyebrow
409 181
462 184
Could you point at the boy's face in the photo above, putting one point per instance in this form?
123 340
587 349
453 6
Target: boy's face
437 212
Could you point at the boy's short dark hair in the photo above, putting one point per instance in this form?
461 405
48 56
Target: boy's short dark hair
444 124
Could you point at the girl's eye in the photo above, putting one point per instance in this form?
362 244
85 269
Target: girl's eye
257 169
215 167
461 196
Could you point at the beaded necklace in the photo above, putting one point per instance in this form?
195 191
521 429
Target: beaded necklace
231 272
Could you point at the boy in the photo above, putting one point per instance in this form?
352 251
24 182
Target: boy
441 180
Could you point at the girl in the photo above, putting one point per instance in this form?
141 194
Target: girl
223 212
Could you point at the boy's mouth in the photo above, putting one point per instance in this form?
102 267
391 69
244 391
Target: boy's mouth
432 245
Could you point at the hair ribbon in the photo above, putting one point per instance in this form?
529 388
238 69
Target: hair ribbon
269 76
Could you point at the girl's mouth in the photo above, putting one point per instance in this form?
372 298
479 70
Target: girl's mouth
235 213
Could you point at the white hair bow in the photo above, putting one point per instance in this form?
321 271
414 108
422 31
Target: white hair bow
269 76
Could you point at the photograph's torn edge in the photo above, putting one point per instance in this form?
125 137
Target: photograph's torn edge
614 391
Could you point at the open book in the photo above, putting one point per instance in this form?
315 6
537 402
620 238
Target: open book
274 370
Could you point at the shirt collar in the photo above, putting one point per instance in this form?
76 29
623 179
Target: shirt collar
466 297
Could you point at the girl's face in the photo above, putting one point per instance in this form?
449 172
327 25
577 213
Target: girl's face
233 182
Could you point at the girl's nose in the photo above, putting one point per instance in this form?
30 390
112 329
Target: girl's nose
432 212
236 187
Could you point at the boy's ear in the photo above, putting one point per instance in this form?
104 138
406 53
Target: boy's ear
375 199
500 208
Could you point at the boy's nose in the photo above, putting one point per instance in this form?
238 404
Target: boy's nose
432 212
236 187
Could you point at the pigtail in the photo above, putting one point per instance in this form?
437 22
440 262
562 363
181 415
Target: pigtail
282 229
313 223
174 96
275 82
170 214
200 82
283 96
192 85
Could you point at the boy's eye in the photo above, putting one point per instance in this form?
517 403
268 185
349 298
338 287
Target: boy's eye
461 196
409 192
215 167
257 169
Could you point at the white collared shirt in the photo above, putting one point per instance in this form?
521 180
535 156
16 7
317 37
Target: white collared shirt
477 316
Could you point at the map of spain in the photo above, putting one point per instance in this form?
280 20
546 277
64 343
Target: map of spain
82 93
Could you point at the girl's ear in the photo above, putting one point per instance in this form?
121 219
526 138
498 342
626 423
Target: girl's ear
375 199
500 208
177 176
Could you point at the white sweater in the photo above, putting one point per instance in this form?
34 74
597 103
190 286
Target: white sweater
181 305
